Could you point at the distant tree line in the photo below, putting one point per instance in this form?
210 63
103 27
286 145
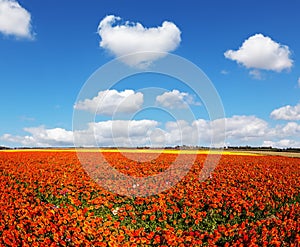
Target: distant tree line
4 148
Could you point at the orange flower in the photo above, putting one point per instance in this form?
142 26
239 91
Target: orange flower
152 217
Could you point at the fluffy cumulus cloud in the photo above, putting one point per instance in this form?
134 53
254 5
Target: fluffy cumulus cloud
181 133
284 143
240 130
175 100
120 133
245 128
287 112
122 38
14 19
132 133
289 129
42 137
261 52
109 102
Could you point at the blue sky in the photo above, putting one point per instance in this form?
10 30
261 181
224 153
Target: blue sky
249 51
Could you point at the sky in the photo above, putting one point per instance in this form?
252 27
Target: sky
50 51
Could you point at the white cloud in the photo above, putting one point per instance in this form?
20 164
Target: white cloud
109 102
176 100
283 136
180 133
42 137
14 19
290 129
124 132
287 112
158 137
240 131
251 130
284 143
122 39
139 133
261 52
224 72
299 82
245 128
256 74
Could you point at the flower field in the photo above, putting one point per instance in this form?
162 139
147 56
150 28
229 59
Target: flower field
47 199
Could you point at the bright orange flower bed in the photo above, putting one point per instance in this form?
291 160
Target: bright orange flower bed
47 199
